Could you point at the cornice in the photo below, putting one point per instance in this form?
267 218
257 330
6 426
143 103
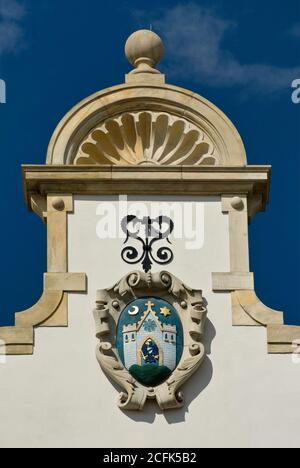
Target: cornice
148 180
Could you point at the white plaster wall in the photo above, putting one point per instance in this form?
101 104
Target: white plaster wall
241 397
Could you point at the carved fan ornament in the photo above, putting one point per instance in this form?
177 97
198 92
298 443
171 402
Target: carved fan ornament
150 330
147 138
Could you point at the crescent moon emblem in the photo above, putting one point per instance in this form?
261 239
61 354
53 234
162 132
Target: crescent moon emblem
134 311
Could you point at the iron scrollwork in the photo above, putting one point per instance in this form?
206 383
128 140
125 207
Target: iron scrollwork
148 232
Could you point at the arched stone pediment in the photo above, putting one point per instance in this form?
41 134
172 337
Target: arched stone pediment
146 124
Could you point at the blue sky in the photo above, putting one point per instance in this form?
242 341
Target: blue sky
55 53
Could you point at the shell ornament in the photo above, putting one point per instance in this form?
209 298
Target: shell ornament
147 138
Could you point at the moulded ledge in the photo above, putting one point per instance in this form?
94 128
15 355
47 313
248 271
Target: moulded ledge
283 339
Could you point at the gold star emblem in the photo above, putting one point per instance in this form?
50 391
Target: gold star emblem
165 311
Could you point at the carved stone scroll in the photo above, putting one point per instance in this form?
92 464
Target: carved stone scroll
191 309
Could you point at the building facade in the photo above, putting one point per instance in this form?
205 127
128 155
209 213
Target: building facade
182 164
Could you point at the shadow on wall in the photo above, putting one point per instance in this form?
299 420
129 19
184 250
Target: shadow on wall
193 388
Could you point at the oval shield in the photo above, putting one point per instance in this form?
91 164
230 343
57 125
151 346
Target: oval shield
150 339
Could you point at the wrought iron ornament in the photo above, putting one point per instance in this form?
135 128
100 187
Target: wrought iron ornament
148 232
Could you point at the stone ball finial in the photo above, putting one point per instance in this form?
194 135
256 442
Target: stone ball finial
144 49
